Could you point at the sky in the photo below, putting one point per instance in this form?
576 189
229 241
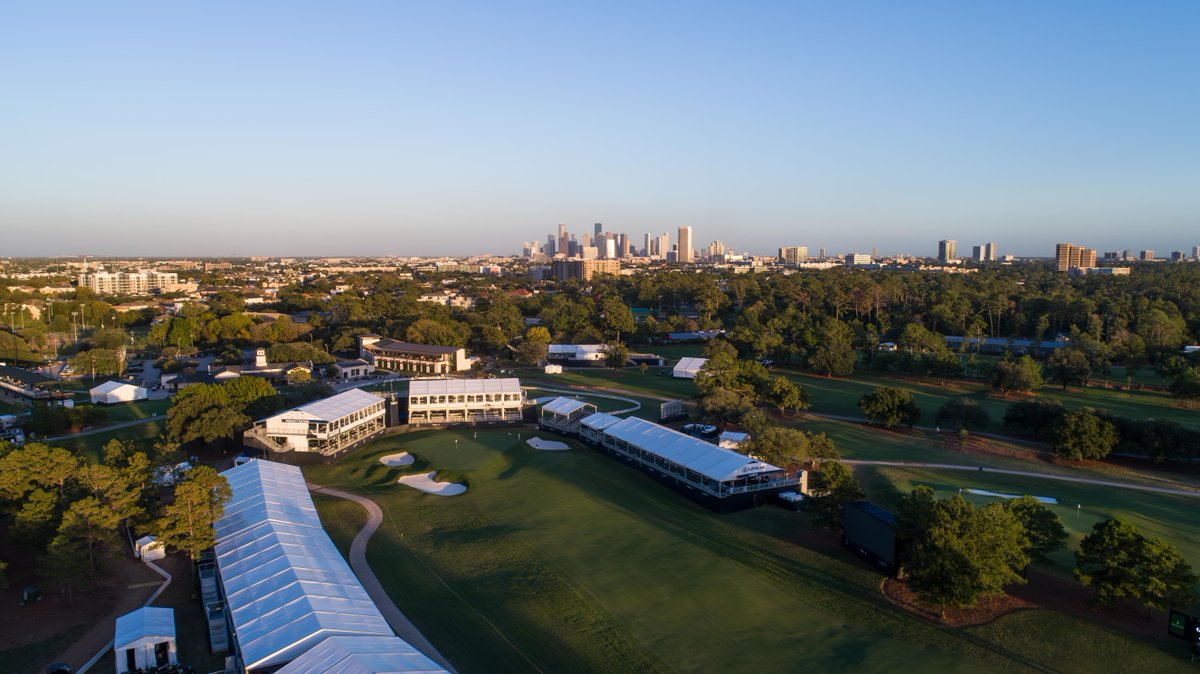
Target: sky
456 128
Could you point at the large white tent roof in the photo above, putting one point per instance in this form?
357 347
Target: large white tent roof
337 406
564 406
702 457
599 421
688 367
362 655
148 622
286 586
111 387
426 387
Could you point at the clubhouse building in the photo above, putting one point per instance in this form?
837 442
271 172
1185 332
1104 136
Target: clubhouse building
441 402
397 356
718 478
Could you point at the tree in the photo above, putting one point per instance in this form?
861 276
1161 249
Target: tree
785 395
90 528
1035 414
1118 561
187 522
1186 384
786 446
1015 376
962 412
299 376
1042 527
615 355
210 412
617 317
1068 366
1081 434
965 553
832 488
722 406
890 406
834 353
531 352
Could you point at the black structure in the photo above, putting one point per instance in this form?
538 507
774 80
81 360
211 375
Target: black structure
870 532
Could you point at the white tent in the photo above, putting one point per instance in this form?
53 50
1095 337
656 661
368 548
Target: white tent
687 368
113 392
362 655
150 548
145 639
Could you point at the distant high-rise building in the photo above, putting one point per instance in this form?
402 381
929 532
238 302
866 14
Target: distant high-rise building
1069 256
685 251
563 246
1178 256
989 251
610 248
977 254
551 247
599 228
1196 251
583 270
793 255
716 250
947 250
856 259
822 256
1147 255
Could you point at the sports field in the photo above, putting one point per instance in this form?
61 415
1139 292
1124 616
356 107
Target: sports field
570 561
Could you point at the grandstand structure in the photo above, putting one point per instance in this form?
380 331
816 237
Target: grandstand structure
328 427
563 415
441 402
286 588
719 478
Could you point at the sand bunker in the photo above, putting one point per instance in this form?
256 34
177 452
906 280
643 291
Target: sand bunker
546 445
427 484
401 459
982 492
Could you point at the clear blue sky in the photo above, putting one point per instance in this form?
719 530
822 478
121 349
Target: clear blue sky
343 128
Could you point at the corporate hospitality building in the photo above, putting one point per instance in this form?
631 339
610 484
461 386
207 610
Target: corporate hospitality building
564 414
438 402
325 428
719 478
391 354
286 590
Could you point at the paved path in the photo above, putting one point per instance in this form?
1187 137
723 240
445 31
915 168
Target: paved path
358 561
107 428
635 405
1026 473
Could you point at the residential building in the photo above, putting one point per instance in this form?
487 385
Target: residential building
464 401
128 283
584 270
392 354
793 255
1069 256
1146 255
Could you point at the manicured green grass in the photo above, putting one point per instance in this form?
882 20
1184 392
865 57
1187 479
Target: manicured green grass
92 446
135 410
570 561
631 379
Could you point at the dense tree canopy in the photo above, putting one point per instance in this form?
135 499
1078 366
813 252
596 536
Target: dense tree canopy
1117 560
890 406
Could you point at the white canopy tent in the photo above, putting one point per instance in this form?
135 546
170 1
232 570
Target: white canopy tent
687 368
145 639
114 392
286 586
362 655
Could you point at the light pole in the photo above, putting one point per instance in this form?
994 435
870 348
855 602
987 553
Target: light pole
75 327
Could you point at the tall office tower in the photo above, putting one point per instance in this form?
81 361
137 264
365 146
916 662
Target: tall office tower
716 250
1066 256
1087 258
1195 251
664 245
610 248
562 239
977 253
595 234
551 247
947 250
989 251
685 253
646 246
1147 255
822 253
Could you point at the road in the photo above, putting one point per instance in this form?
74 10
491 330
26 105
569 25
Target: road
1026 473
358 561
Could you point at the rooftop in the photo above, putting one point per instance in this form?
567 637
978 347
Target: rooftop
424 387
386 344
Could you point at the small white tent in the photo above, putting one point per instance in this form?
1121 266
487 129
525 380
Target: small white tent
113 392
145 639
687 368
150 549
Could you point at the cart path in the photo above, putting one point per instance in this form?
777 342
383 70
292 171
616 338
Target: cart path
1025 473
106 428
358 561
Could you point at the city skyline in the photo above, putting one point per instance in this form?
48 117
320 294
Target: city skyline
295 129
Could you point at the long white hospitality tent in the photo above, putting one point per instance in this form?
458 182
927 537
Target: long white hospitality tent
286 587
362 655
687 367
713 470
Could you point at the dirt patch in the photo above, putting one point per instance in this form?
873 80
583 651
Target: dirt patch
985 611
